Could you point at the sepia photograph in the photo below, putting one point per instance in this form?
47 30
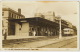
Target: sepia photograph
40 24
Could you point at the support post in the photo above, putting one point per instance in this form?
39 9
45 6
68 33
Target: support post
60 33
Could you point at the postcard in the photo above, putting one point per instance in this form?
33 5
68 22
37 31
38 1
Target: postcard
40 25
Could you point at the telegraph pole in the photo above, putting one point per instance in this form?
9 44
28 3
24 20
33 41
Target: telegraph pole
60 32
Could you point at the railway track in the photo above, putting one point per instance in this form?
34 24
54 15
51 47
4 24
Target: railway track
67 44
62 44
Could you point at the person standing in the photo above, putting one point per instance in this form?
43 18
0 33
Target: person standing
34 33
5 34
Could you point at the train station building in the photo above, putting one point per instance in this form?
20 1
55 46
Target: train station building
17 26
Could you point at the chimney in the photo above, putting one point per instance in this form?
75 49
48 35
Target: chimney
19 11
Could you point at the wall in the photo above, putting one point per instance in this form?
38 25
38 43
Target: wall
50 16
24 31
5 13
4 19
4 26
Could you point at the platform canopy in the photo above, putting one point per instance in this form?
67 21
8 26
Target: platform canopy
37 21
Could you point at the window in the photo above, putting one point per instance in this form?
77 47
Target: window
2 13
9 14
68 30
2 23
12 15
65 30
20 17
17 17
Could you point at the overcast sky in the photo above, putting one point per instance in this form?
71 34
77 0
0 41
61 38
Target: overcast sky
67 10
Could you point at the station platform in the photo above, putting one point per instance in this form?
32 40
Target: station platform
20 37
39 42
16 39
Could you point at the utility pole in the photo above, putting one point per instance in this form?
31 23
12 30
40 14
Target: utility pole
60 32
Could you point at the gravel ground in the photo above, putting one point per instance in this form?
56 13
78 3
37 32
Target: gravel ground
48 43
71 43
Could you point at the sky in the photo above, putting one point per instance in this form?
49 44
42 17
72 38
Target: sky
66 10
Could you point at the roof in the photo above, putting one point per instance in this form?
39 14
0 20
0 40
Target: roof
37 21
